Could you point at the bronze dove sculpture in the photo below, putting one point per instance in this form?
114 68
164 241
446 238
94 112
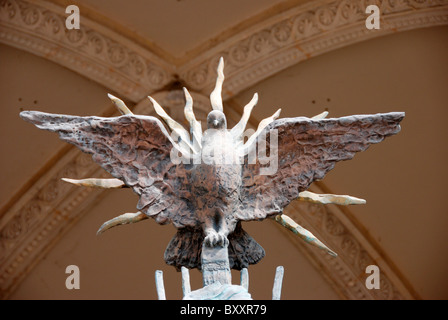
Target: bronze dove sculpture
207 182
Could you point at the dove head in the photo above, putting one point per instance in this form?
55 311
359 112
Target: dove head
216 120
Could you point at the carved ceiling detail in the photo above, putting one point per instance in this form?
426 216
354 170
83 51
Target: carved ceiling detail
50 207
346 273
93 51
44 213
301 33
251 55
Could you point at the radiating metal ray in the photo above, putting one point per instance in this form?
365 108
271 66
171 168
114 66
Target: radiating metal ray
195 126
97 183
238 130
119 104
343 200
176 127
216 95
304 234
263 124
125 218
320 116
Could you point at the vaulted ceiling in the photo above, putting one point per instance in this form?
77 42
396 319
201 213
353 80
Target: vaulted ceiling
302 56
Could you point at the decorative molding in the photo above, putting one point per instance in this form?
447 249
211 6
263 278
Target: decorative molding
251 55
92 51
173 102
303 32
48 209
41 216
346 273
51 207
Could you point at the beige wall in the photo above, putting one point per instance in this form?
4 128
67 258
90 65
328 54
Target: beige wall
403 178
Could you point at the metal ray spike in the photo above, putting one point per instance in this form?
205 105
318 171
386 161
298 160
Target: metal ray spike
320 116
119 104
195 126
215 96
304 234
97 183
263 124
176 127
125 218
238 130
342 200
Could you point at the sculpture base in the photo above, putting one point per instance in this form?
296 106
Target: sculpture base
217 279
215 265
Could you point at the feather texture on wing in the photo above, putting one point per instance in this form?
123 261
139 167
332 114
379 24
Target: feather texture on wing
135 149
306 150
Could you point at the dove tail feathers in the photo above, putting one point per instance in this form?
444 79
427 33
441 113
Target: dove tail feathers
184 249
243 249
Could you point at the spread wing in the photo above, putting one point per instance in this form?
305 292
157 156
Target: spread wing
307 150
135 149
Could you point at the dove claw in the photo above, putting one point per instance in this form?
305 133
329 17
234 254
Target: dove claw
214 239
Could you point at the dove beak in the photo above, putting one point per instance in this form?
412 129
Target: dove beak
215 123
